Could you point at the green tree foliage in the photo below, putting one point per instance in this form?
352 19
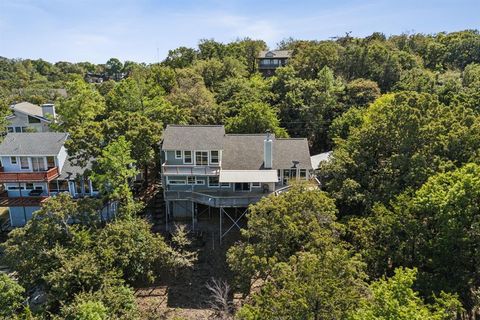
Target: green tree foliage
114 172
11 297
256 117
394 298
309 286
300 219
403 139
83 104
83 266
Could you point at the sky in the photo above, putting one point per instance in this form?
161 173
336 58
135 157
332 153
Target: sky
144 30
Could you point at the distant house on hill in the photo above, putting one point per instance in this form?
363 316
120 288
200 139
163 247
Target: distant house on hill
29 117
269 61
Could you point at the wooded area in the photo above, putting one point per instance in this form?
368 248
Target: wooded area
394 234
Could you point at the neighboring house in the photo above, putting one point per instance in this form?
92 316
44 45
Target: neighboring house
34 166
29 117
203 166
269 61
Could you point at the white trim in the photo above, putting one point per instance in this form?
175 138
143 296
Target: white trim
208 158
181 154
191 157
254 185
213 186
177 179
225 185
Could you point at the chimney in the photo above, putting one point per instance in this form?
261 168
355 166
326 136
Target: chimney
267 151
48 111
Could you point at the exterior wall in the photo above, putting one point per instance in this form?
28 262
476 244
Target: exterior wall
9 167
60 158
169 157
18 215
181 209
25 192
21 120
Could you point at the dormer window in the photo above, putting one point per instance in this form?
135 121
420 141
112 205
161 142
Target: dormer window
214 157
178 154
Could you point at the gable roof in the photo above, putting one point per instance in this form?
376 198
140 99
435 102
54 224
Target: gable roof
245 152
33 144
29 109
276 54
178 137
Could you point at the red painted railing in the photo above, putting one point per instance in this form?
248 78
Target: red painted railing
48 175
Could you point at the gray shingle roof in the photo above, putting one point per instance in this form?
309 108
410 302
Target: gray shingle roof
176 137
245 152
28 108
276 53
240 151
71 171
31 144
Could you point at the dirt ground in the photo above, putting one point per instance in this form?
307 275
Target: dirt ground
186 296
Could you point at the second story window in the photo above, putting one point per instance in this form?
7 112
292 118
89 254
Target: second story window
24 163
214 157
50 162
38 164
178 154
187 157
201 158
13 160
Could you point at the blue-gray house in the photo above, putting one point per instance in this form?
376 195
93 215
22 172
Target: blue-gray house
204 166
34 167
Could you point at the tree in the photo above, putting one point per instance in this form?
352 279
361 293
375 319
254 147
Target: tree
327 285
181 57
83 104
361 92
403 139
11 297
113 68
278 227
113 174
394 298
256 117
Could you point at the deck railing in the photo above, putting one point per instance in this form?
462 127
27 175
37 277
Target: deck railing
29 176
190 170
216 200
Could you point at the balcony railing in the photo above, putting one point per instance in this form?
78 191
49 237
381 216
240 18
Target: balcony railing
217 199
29 176
190 170
6 201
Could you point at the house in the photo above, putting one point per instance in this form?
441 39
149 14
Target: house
269 61
34 167
202 166
29 117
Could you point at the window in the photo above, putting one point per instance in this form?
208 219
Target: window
38 164
224 185
191 180
15 188
176 181
18 129
33 120
187 157
214 157
255 184
50 162
178 154
10 129
29 186
303 173
24 163
201 158
201 182
213 181
13 160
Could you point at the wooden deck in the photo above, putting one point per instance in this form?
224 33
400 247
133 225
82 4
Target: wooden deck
48 175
